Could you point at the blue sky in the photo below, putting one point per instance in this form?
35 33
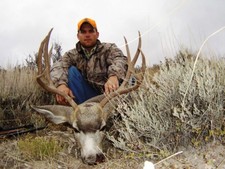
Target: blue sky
166 26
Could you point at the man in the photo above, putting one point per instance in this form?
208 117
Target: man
91 68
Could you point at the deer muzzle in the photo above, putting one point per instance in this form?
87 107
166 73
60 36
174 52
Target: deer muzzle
91 147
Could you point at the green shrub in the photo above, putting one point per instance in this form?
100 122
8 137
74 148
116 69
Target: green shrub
39 148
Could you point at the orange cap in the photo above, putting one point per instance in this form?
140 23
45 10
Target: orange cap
86 20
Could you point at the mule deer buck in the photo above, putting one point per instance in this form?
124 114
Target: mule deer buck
89 118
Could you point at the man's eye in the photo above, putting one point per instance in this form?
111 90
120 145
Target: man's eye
82 32
89 31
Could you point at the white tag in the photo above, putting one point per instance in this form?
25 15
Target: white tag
148 165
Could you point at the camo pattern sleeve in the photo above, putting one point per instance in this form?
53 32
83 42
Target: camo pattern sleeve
59 70
117 62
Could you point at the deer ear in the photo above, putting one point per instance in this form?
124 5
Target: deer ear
55 113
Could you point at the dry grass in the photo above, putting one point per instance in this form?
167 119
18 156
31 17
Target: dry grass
18 91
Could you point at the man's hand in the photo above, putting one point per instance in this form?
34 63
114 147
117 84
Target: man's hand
65 89
112 84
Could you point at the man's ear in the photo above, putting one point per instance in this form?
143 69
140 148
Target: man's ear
97 34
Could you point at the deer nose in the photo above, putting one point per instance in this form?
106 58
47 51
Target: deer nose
91 159
94 159
100 158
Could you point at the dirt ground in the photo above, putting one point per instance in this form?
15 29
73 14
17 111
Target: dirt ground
211 156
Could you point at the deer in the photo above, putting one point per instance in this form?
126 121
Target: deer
89 118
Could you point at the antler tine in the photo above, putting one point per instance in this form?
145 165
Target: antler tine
128 74
43 77
133 62
138 51
131 69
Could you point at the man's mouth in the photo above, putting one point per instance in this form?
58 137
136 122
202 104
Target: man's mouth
87 40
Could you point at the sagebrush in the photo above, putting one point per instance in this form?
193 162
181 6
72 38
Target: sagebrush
173 110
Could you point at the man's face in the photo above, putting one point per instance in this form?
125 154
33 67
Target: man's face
87 35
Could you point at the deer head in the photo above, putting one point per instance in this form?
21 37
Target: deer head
89 118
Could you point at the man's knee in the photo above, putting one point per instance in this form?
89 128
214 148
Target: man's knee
73 71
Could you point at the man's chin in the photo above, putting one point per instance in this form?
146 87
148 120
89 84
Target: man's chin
87 45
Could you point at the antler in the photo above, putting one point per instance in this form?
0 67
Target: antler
131 71
43 77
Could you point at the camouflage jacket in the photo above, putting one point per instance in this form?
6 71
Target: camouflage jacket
107 60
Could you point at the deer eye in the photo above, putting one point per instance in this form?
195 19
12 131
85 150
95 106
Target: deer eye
76 130
103 128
